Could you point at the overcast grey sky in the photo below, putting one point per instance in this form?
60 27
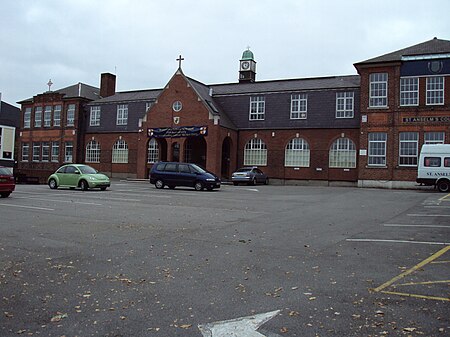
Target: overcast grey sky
71 41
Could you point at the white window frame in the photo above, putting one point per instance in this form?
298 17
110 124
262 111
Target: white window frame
257 108
408 150
93 152
47 116
68 152
57 115
55 152
345 104
342 154
95 114
409 91
36 155
70 120
297 153
45 154
25 152
435 90
122 114
377 149
153 151
378 90
299 106
38 117
120 152
434 137
27 118
255 153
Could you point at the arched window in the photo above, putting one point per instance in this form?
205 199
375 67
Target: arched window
120 152
297 153
255 153
153 151
93 152
343 153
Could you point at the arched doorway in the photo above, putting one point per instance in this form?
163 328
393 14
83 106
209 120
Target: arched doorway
226 158
195 151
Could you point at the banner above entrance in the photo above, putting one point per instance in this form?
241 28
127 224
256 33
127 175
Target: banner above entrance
183 131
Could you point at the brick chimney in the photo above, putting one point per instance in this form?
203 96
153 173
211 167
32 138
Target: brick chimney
107 84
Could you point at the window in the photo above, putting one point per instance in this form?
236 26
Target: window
343 153
68 154
377 149
55 152
36 151
27 118
344 104
434 137
122 114
95 116
435 90
257 108
255 153
432 161
38 117
25 151
297 153
409 144
47 116
153 151
93 152
57 115
378 90
71 115
409 91
447 162
120 152
45 151
147 106
299 106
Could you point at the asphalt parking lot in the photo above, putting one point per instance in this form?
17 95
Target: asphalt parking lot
282 260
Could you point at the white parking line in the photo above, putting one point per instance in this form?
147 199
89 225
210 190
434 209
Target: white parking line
429 215
399 241
400 225
63 201
31 207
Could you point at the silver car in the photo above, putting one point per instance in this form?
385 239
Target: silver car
250 176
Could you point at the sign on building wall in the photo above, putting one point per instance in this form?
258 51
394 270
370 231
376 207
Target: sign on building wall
184 131
426 119
7 135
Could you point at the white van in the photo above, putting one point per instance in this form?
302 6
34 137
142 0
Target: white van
434 166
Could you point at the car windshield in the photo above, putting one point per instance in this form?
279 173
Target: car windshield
87 170
197 168
4 171
244 169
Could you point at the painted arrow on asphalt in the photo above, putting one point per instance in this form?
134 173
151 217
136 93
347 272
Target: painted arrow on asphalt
238 327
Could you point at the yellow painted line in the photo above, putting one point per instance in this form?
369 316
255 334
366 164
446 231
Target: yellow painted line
445 197
417 296
440 262
413 269
421 283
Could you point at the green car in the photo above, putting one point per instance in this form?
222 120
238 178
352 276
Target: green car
78 175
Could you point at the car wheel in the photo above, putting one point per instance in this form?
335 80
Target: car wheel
52 184
84 185
198 186
5 194
253 182
443 185
159 184
266 182
235 183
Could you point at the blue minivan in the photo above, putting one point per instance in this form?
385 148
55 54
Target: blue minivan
174 174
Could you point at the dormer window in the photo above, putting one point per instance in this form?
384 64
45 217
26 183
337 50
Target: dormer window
257 108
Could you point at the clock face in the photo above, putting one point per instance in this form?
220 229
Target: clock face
245 65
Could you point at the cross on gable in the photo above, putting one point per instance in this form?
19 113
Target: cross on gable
179 59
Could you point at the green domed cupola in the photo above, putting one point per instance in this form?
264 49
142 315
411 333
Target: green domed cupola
247 67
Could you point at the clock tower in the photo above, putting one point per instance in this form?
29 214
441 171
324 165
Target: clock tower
247 67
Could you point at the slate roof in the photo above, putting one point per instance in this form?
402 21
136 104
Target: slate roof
434 46
128 96
79 90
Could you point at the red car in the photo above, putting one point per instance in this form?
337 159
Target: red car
7 183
